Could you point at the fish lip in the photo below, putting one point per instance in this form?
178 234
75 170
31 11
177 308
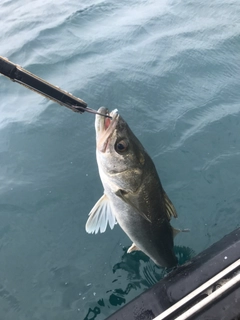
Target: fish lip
105 128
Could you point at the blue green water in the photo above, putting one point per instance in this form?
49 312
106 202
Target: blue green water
172 69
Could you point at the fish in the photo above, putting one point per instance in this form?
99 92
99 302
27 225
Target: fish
133 195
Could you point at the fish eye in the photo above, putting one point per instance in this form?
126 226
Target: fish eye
121 146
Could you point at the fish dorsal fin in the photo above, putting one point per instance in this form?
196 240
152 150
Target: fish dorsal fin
171 211
100 215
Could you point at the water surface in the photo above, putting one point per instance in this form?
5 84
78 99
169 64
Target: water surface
172 70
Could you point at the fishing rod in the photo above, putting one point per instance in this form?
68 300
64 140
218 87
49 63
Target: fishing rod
17 74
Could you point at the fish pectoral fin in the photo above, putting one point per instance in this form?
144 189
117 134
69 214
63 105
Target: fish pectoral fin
120 193
171 211
176 231
133 248
100 215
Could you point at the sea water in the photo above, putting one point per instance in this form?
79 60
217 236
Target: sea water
172 69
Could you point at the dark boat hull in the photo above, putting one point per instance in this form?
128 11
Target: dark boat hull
185 279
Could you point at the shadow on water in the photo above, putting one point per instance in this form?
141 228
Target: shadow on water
140 274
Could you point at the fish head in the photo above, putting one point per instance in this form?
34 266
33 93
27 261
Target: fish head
120 155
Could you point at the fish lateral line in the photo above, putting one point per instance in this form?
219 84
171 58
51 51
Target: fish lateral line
122 195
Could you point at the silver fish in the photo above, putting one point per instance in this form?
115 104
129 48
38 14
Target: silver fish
133 195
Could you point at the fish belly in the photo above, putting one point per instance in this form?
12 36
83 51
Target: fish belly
154 239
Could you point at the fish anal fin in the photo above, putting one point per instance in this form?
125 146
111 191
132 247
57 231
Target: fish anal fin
176 231
133 248
100 216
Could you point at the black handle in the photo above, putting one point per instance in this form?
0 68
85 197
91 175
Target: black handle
31 81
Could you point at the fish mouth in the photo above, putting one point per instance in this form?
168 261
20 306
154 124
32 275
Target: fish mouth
105 127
